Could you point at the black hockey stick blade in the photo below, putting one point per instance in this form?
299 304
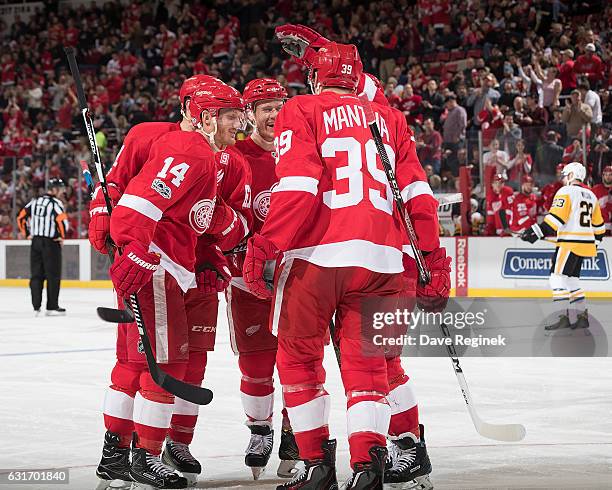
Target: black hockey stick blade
113 315
191 393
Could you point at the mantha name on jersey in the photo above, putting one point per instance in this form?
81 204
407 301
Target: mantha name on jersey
333 205
170 202
575 216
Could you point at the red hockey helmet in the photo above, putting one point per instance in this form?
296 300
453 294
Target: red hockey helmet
190 85
606 169
263 89
498 178
337 65
527 179
212 96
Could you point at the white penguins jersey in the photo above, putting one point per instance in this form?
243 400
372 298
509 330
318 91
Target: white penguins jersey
576 217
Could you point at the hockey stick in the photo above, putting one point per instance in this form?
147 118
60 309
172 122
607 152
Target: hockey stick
192 393
112 315
498 432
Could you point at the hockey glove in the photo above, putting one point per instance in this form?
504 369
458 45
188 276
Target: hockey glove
99 224
532 234
433 297
224 219
215 276
259 250
133 269
300 41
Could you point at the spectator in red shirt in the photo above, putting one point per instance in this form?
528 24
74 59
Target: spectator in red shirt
429 146
222 40
410 105
499 202
114 86
294 74
524 208
590 64
567 75
8 69
71 37
385 41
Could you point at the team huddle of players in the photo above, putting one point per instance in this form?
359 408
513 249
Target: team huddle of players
307 190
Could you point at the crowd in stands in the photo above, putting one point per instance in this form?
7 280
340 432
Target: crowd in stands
506 87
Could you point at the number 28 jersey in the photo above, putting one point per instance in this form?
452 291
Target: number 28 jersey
333 205
576 217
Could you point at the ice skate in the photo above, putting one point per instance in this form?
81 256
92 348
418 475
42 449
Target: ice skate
563 322
148 472
582 320
178 456
369 476
408 465
114 467
288 454
259 449
319 474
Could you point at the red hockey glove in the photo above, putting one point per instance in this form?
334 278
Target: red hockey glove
133 269
434 296
300 41
99 224
224 219
215 276
259 250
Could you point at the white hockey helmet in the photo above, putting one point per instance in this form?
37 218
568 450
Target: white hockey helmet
577 170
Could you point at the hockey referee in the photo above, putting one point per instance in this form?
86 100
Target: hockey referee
44 221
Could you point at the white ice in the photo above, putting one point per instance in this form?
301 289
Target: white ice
54 372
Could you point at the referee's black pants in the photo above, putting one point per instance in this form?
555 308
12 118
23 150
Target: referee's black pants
45 263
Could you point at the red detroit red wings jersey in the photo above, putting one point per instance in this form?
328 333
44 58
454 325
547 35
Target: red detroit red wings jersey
524 211
495 203
604 196
333 205
170 202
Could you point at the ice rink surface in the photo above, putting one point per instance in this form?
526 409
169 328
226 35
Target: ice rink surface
54 372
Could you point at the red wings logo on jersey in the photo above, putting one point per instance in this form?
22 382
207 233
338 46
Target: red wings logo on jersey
201 214
224 159
261 203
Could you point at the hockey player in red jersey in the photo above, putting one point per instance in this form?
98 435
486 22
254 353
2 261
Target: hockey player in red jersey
499 204
118 406
549 190
524 208
173 195
332 217
248 315
302 42
234 222
603 193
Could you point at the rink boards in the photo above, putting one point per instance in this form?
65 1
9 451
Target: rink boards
482 266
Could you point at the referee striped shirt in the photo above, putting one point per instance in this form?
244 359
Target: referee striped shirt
43 216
